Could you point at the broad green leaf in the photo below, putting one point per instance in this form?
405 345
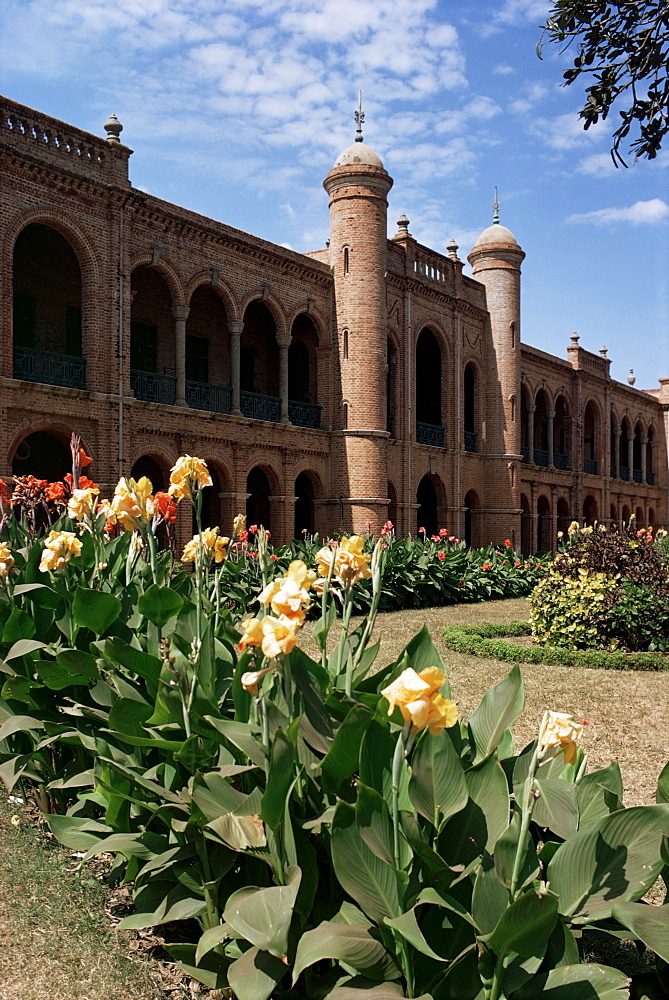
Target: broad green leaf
341 760
489 898
128 716
17 724
365 877
576 982
242 735
280 776
648 923
18 688
78 662
374 822
498 710
143 664
22 647
238 832
423 653
263 916
76 833
159 604
437 788
598 794
556 807
255 974
349 943
525 926
95 610
144 845
359 988
662 794
618 859
505 852
56 677
18 626
211 939
406 925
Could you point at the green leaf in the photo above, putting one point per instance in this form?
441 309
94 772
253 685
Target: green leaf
365 877
143 664
648 923
23 647
489 898
56 677
211 939
40 594
662 794
255 974
556 807
18 724
498 710
19 625
525 926
374 823
242 735
506 848
238 832
18 688
341 760
78 662
352 944
437 784
95 610
262 916
422 653
617 859
279 779
576 982
359 988
406 925
598 794
77 833
159 604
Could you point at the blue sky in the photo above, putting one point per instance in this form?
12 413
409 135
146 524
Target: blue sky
238 108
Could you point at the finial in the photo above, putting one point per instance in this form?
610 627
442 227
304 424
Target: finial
574 338
113 128
452 248
631 378
495 210
603 351
359 117
403 225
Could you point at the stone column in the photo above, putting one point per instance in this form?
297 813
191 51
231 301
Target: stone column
530 433
630 456
283 379
616 452
644 442
180 314
550 416
235 362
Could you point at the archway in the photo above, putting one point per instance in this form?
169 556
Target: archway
626 516
211 504
470 408
429 423
561 435
259 364
149 467
392 406
427 500
258 499
471 525
636 453
563 516
590 435
525 526
589 510
544 534
152 338
304 506
541 429
42 455
208 376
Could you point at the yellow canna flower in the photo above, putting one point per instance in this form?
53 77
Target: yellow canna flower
289 595
7 567
189 475
132 503
59 548
418 699
351 563
560 732
279 635
239 523
82 505
252 678
573 528
214 546
251 633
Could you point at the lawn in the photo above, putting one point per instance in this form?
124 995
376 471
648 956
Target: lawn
54 934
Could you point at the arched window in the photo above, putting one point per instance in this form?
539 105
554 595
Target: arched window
208 371
392 506
259 364
470 408
149 467
590 431
391 389
561 435
636 453
650 472
429 424
544 534
426 498
346 260
471 525
525 526
152 338
623 451
541 429
42 455
563 516
304 506
47 306
302 376
589 510
258 499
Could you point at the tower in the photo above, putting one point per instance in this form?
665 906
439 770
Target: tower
358 186
496 260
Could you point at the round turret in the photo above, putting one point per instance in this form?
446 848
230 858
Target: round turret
356 153
496 234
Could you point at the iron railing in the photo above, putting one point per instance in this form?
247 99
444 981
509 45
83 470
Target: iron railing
559 460
525 452
153 388
50 368
650 478
304 414
259 407
624 473
430 434
590 466
202 396
470 441
541 457
637 475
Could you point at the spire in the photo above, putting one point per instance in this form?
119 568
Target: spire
359 117
495 210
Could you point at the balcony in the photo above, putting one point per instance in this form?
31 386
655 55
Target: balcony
470 441
637 475
49 368
590 466
153 388
624 473
650 478
560 460
541 457
432 434
259 407
304 414
525 452
202 396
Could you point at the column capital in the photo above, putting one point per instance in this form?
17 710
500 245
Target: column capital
180 313
236 326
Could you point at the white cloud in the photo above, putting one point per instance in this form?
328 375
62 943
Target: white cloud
598 165
566 131
650 212
503 70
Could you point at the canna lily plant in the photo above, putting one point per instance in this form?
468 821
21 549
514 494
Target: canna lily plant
331 829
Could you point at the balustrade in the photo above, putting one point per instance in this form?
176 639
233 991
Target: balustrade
624 473
559 460
470 441
304 414
541 457
637 475
590 466
430 434
258 407
202 396
50 368
153 388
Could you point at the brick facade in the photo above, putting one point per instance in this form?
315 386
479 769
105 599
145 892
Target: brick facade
367 380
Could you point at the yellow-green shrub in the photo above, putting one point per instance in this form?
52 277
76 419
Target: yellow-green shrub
571 612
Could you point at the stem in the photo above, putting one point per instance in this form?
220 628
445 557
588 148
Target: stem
527 807
496 986
210 893
345 624
398 760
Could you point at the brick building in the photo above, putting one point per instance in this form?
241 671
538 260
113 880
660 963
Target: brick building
367 380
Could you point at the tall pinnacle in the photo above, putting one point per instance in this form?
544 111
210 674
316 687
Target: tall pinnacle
359 117
495 208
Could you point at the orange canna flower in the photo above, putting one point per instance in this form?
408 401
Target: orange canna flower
418 699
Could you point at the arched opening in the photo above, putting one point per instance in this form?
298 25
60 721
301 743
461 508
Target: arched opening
47 323
626 515
650 472
561 435
42 455
304 506
640 519
563 516
470 408
427 500
258 499
391 389
302 374
613 448
544 533
208 376
590 440
525 526
429 424
392 505
259 365
623 450
541 429
636 453
590 513
614 514
651 517
471 525
524 427
211 504
152 338
149 467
